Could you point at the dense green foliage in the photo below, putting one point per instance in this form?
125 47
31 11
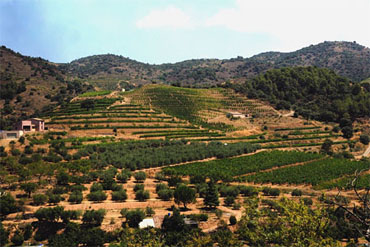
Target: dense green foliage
183 103
310 173
153 153
313 92
227 168
363 182
95 93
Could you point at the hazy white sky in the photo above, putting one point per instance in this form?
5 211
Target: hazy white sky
158 31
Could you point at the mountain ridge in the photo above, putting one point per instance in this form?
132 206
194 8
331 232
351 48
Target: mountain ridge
32 84
345 58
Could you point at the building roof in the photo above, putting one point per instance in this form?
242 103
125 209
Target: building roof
146 223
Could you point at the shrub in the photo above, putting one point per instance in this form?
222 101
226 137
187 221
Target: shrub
199 217
54 198
142 195
140 176
297 192
39 199
15 152
76 197
97 196
229 200
124 212
307 201
96 187
149 211
268 191
197 179
165 194
364 139
184 194
138 187
120 195
124 176
8 204
70 215
116 187
79 187
232 220
17 239
27 232
229 191
160 176
49 214
160 186
93 217
174 181
134 217
218 213
248 191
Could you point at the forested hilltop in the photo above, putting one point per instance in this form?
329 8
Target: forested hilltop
314 93
348 59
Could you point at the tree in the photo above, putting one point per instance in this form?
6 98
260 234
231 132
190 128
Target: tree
175 222
39 199
29 188
165 194
94 237
88 104
282 225
184 194
149 211
229 200
96 187
356 218
326 146
134 217
21 140
4 234
364 139
97 196
347 132
93 217
211 196
54 198
8 204
124 176
17 238
49 214
297 192
232 220
142 195
140 176
76 197
120 195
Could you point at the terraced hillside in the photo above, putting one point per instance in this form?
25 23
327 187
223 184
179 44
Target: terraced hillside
165 112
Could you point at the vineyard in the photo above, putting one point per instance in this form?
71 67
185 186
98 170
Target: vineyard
231 167
310 173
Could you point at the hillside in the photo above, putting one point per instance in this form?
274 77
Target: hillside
29 85
348 59
314 93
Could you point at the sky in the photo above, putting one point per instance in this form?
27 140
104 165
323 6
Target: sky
167 31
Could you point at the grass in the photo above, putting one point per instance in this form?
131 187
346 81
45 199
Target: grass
95 93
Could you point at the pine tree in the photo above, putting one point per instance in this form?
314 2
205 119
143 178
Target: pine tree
211 197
